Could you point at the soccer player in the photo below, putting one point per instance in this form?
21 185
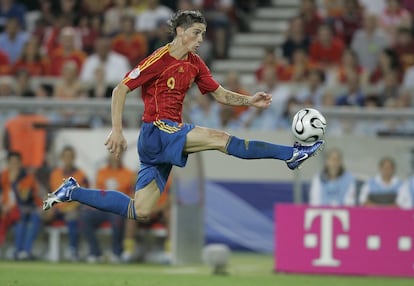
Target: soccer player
164 141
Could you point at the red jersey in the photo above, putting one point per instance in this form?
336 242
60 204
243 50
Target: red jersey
164 81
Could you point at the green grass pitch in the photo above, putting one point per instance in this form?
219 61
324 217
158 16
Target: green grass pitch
244 270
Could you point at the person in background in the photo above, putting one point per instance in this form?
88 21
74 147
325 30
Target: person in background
385 183
105 57
12 9
326 49
23 86
114 176
68 50
130 43
312 19
393 17
296 38
334 186
405 196
353 96
31 59
349 21
69 213
20 194
69 86
368 42
270 60
13 39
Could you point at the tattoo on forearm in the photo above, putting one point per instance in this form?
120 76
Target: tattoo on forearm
234 99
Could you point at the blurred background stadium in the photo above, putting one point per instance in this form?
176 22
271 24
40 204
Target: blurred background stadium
59 60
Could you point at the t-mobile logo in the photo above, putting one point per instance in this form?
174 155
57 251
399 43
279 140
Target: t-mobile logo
326 235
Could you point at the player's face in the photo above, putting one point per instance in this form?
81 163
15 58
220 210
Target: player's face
193 36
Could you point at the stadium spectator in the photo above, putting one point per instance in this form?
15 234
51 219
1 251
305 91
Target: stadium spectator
382 188
312 19
388 61
89 29
20 193
100 88
326 49
334 185
113 176
69 86
393 17
296 38
68 213
349 21
11 9
391 94
68 50
31 60
148 19
368 43
7 86
205 111
298 70
219 15
313 91
70 10
23 86
13 39
129 42
104 56
4 63
93 7
22 135
405 196
271 60
353 95
349 65
114 15
404 47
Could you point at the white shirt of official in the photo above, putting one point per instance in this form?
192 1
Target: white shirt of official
316 189
363 195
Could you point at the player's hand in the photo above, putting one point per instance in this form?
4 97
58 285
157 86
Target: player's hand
116 143
261 99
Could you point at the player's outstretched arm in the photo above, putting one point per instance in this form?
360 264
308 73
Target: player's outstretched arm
259 99
116 143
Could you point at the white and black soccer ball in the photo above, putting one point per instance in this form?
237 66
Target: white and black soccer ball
308 125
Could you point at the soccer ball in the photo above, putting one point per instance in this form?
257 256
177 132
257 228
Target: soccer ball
308 125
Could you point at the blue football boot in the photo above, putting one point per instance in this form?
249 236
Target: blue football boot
62 194
302 152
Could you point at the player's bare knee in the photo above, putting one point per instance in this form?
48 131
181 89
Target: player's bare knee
142 214
218 139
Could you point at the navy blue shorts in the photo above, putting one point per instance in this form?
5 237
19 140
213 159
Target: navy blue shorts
160 146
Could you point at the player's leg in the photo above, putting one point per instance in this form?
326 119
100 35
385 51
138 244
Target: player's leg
106 200
200 139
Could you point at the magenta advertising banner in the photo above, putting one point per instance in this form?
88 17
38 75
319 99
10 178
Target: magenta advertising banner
355 241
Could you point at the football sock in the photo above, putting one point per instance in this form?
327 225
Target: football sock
105 200
245 149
